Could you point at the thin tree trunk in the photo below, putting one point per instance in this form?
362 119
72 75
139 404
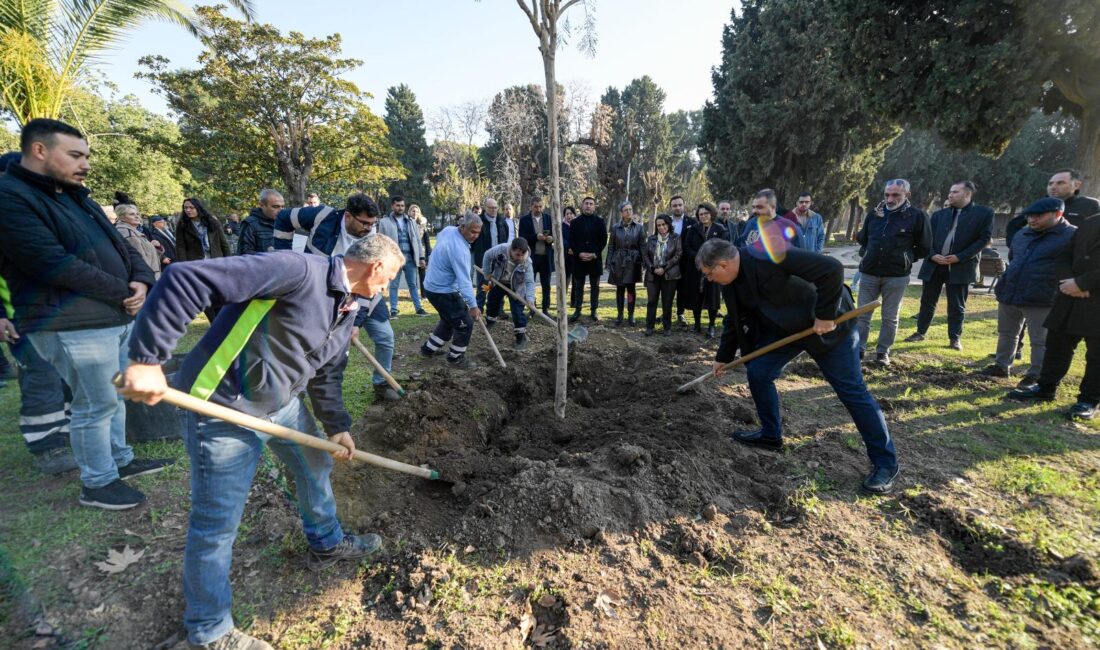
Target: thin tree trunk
562 375
1087 159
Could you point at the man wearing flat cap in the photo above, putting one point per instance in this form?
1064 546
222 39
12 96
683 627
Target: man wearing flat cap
160 232
1041 256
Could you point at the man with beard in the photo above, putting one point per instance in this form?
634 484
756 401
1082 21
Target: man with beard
258 230
587 239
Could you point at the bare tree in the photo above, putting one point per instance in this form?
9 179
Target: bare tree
544 16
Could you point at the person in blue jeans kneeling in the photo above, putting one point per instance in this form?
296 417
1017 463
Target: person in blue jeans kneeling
768 300
283 328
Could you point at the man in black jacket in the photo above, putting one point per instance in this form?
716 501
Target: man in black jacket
768 300
959 233
587 239
160 232
1065 184
1074 318
895 235
494 231
257 234
75 287
540 236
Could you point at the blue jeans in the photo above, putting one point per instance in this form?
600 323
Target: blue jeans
412 280
87 361
223 462
381 332
841 368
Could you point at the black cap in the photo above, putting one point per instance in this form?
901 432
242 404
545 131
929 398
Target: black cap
1043 206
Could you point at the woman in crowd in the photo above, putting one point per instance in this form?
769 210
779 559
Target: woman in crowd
567 217
425 240
199 236
624 261
700 291
127 224
661 260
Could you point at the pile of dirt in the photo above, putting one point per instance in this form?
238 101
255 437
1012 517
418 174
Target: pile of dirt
630 450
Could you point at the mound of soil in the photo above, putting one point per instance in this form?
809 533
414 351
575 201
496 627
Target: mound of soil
630 450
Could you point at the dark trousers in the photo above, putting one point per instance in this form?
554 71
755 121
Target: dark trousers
540 264
683 299
494 304
709 298
841 367
422 271
43 401
627 293
455 324
662 289
1059 354
591 270
956 303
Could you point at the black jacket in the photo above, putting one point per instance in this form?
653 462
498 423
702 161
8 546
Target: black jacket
588 234
972 234
167 244
189 245
1080 208
257 234
528 232
484 241
55 278
1081 316
894 241
783 297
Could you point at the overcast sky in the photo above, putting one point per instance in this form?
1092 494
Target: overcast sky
453 51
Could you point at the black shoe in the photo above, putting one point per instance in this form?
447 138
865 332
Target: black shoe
757 439
427 353
462 363
1081 411
233 640
352 547
595 317
55 461
113 496
880 481
955 344
649 331
575 316
630 321
882 359
143 466
386 393
619 321
862 353
993 370
394 313
489 322
680 320
1027 382
915 337
667 332
710 332
521 342
1033 393
698 329
421 312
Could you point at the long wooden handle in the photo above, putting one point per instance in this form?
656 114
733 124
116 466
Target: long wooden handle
847 316
378 366
549 321
492 343
209 409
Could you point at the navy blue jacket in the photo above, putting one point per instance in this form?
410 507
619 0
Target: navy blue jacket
894 241
55 278
257 234
299 343
1039 260
973 233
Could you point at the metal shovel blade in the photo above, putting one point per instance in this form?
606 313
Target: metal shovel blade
579 334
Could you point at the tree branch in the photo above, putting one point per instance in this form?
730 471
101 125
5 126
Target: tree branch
530 16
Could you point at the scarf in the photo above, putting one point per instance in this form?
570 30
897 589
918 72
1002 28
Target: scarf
881 209
662 248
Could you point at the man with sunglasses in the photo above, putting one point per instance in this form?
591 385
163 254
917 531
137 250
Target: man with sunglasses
895 235
332 232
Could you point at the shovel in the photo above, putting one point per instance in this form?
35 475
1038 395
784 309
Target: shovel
377 366
224 413
855 313
576 335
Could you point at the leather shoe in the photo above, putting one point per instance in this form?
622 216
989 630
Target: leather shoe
880 480
1081 411
1033 393
758 439
915 337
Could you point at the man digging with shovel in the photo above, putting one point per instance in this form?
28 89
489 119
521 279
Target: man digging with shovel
283 327
510 265
768 300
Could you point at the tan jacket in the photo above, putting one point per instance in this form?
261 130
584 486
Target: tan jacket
143 246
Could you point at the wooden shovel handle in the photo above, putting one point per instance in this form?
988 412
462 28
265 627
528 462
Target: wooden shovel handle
378 366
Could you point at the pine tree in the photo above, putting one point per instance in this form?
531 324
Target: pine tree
405 121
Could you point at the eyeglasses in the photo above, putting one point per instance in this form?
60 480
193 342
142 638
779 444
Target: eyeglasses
368 224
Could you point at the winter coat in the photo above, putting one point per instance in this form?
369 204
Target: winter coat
257 234
56 279
972 234
166 245
624 254
894 240
588 234
1081 316
388 226
674 250
749 234
522 280
149 253
1039 260
189 244
698 292
1080 208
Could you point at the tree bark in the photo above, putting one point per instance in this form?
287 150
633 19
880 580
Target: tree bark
1087 160
562 376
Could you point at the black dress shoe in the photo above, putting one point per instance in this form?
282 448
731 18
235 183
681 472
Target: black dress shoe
880 480
757 439
649 331
1081 411
1027 382
1033 393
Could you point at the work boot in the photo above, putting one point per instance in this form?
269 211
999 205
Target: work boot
462 363
116 495
55 461
956 344
758 439
880 480
915 337
521 342
234 640
352 547
1081 411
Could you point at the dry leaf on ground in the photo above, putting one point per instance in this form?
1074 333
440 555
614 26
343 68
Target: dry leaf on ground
542 636
605 602
527 623
117 562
